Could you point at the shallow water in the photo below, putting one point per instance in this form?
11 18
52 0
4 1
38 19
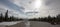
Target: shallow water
30 24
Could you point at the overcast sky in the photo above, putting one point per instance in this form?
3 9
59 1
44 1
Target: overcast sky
30 8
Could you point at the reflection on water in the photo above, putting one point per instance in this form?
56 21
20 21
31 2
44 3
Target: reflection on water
27 23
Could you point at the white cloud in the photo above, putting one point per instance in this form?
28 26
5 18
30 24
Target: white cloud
46 6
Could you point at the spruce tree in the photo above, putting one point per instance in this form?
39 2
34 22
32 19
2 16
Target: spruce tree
1 17
6 15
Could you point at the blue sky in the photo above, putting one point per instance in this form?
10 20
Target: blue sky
12 5
25 8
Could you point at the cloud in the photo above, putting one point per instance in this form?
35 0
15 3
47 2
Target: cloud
19 8
12 5
52 6
12 11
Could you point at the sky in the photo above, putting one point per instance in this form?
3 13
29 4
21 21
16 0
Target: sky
30 8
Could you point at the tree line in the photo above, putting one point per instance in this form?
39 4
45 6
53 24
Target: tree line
6 18
49 19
